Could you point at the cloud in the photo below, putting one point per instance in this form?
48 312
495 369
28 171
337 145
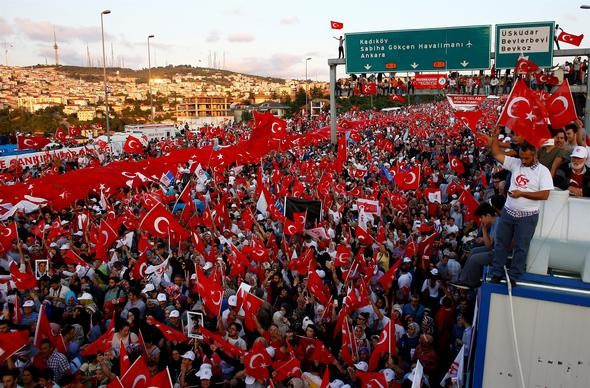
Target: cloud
277 65
290 20
213 36
5 28
240 37
67 55
43 31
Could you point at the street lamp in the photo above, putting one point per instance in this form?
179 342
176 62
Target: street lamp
585 6
306 59
104 72
150 77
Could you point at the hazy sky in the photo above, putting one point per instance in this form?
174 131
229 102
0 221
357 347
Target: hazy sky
257 36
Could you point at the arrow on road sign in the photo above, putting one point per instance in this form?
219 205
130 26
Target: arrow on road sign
464 63
367 66
414 65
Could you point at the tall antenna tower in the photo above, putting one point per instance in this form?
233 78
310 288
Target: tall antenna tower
88 60
215 59
112 56
223 66
55 48
6 46
209 60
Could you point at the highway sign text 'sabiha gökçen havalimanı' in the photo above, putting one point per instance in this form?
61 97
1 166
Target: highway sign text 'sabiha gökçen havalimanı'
453 48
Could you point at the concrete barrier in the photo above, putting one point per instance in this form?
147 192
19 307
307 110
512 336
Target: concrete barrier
562 237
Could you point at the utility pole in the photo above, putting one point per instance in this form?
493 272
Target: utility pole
88 60
112 56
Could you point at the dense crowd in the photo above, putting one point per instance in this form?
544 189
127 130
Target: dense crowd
355 292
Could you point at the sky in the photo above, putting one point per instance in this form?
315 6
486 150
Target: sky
268 38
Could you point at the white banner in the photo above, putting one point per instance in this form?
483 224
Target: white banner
43 157
369 206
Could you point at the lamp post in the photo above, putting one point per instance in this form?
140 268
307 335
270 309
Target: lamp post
306 59
104 72
150 78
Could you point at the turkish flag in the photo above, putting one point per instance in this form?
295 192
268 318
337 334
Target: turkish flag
397 97
137 375
454 187
106 237
210 292
321 354
291 228
372 379
103 342
336 25
168 332
523 66
469 117
542 78
43 330
525 114
160 223
363 236
385 344
369 89
251 306
285 369
11 342
456 165
484 181
317 288
425 246
133 145
7 235
228 348
343 255
74 131
22 280
161 379
257 361
388 277
31 142
303 264
138 269
408 180
470 204
561 107
72 257
575 40
60 134
326 379
348 342
124 362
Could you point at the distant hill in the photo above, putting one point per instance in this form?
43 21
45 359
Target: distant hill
95 73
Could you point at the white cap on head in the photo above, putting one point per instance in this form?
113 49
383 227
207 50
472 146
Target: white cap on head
189 355
321 273
579 152
232 301
389 374
434 271
29 303
208 265
337 383
161 297
249 380
174 314
407 260
85 296
362 365
148 288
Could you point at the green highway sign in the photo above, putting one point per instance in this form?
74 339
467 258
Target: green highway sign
534 40
436 49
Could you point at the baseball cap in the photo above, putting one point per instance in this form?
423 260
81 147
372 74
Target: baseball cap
205 374
434 271
148 288
249 380
579 152
29 303
389 374
189 355
208 265
232 301
161 297
362 365
407 260
174 314
336 383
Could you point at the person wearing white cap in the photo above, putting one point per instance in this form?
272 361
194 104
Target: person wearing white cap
188 374
362 366
530 183
575 176
29 316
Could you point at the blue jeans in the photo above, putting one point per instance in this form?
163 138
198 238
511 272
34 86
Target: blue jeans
521 231
473 268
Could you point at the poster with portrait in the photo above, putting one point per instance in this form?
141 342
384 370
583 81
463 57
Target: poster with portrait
195 320
41 268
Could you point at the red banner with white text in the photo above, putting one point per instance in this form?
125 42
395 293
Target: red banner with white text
430 81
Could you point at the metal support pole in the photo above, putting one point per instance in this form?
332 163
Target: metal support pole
104 72
150 79
333 123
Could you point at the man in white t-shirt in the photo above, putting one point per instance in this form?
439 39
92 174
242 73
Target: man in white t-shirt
530 184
